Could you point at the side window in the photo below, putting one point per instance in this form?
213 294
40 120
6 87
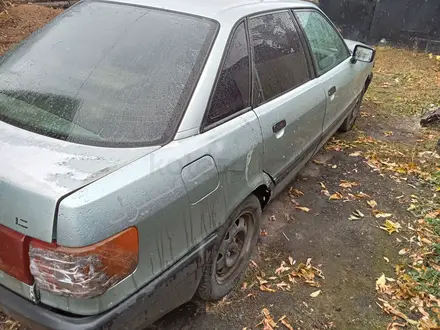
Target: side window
232 91
328 49
280 59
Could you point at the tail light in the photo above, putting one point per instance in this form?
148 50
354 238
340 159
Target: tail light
87 271
14 259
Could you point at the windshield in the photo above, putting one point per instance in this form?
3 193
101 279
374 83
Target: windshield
106 74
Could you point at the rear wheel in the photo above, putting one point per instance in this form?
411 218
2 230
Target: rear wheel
236 241
349 122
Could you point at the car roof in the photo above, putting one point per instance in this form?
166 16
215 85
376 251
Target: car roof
231 10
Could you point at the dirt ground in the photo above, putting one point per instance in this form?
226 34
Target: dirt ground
351 254
18 22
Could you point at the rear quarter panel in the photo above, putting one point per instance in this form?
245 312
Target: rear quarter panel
151 194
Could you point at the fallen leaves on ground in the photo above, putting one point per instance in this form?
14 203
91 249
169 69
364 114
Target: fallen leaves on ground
336 196
269 323
372 203
295 192
348 184
302 208
390 226
287 274
284 321
379 214
315 294
356 215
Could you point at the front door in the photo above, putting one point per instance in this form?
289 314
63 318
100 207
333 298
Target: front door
332 63
290 104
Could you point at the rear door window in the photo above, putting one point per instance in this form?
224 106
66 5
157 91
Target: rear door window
106 74
279 56
232 92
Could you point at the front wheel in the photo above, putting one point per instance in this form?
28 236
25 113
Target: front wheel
235 242
349 122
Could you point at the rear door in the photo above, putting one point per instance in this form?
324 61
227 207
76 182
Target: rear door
332 62
289 102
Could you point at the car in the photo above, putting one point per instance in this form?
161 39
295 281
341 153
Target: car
141 140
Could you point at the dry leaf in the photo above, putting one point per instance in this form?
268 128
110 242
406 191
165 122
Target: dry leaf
362 195
391 310
336 196
372 203
268 321
390 226
303 208
315 294
352 217
282 268
347 184
326 192
296 192
261 280
381 283
283 286
356 215
286 324
395 326
355 154
403 251
383 215
266 289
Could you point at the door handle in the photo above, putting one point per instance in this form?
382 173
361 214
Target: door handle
331 91
279 126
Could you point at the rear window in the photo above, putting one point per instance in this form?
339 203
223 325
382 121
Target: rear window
106 74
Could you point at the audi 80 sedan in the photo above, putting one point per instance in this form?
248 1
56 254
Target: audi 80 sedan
140 141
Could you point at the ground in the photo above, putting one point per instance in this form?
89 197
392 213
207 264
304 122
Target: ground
322 251
18 22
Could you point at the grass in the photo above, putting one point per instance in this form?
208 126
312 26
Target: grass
405 82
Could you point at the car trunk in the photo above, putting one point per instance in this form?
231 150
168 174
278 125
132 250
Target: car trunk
36 172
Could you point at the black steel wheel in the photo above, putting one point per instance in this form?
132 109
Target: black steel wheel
236 241
349 122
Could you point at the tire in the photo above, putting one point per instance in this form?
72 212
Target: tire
349 122
222 273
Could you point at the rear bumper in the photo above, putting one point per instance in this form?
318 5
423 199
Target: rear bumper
174 287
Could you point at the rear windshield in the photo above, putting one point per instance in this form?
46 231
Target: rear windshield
106 74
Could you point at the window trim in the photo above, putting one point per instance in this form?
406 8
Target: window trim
310 66
204 127
295 10
305 44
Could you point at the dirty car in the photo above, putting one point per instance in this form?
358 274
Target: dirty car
136 157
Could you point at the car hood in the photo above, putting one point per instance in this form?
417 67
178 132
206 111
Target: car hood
37 171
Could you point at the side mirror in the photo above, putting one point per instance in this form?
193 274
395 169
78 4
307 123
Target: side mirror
363 54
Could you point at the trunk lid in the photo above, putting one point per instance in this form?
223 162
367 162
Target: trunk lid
37 171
